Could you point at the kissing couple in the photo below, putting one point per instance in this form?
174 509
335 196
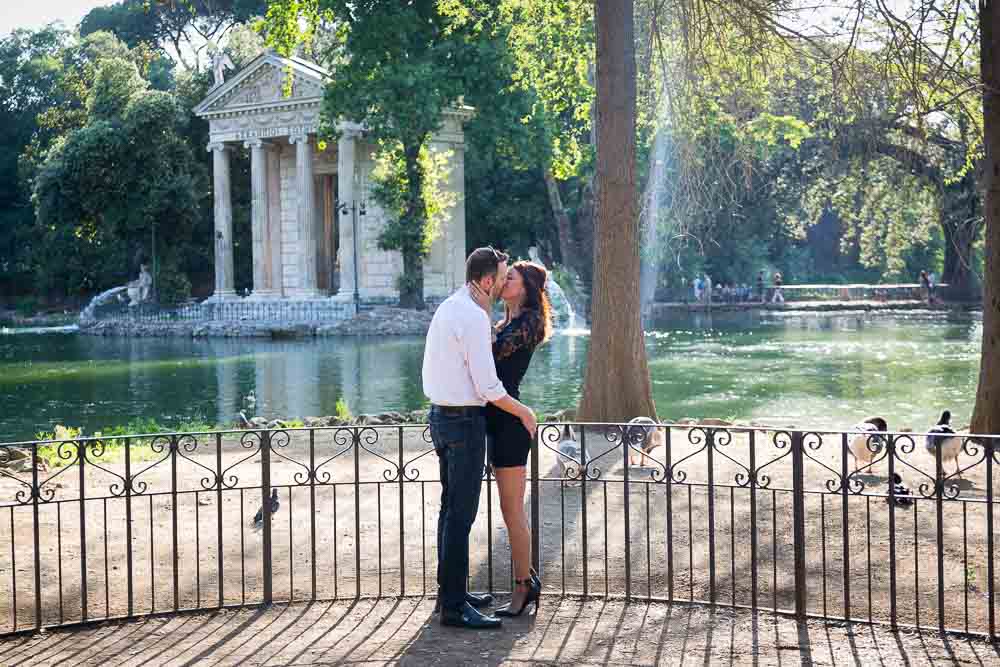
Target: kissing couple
472 372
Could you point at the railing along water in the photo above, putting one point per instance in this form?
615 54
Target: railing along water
794 521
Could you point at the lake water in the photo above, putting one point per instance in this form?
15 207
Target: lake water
811 369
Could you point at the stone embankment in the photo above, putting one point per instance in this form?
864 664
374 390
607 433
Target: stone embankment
379 321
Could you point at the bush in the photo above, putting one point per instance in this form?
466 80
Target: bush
173 286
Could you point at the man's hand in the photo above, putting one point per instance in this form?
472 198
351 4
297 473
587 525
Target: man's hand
519 410
529 420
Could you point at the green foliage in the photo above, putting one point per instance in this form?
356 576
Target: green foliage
182 28
108 444
343 411
552 44
117 82
391 187
104 191
133 22
172 285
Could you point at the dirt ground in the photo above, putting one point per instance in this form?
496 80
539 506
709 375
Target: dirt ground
365 527
566 631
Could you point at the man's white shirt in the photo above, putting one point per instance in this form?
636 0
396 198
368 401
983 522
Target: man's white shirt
458 354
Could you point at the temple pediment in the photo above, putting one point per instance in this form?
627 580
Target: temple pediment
260 88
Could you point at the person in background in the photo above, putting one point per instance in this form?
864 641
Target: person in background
778 297
760 286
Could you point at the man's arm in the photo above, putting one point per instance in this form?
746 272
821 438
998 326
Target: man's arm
482 368
519 410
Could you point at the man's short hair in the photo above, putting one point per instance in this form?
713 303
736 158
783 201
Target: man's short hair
483 262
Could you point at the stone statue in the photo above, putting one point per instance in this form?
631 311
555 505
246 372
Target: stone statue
140 288
220 63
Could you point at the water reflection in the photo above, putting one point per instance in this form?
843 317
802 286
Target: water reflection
824 370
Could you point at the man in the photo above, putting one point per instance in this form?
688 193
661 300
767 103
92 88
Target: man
459 378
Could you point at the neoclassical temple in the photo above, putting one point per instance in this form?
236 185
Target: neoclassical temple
310 239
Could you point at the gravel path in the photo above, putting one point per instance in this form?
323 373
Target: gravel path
566 631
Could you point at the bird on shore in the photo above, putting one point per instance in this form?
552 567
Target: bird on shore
942 437
865 446
570 450
648 438
273 505
899 492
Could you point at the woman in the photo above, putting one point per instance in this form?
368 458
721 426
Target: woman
778 297
528 324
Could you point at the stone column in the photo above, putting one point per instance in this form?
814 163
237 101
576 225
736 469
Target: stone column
306 216
258 216
224 282
346 155
272 243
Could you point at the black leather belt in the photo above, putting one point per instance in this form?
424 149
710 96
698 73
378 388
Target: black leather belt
458 410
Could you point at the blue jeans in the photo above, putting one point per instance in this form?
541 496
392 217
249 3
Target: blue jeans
460 443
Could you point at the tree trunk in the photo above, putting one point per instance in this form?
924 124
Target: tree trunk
617 385
986 415
411 284
567 253
961 224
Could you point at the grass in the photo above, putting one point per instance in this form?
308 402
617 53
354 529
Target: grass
111 451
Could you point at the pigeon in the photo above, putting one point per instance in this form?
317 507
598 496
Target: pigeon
942 436
258 519
570 450
863 443
899 491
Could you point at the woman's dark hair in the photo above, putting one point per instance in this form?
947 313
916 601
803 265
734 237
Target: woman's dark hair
536 298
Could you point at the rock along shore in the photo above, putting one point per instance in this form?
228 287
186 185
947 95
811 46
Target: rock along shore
379 321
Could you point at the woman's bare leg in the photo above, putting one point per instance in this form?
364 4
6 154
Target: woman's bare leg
511 483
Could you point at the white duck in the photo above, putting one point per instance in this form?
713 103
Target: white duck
942 436
862 444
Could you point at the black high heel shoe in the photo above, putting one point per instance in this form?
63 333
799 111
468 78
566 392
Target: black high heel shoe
534 594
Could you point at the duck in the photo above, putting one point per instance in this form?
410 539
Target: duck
942 437
651 437
862 444
570 451
900 494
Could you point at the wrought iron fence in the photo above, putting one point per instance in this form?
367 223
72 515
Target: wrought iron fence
787 520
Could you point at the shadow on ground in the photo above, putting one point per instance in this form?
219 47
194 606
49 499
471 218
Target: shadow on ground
566 631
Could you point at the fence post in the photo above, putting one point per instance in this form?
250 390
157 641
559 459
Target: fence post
265 493
535 505
990 446
799 524
626 433
36 537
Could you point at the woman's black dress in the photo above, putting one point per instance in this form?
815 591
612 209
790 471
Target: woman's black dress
507 440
